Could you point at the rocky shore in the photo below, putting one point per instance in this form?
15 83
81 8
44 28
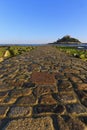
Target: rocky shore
44 89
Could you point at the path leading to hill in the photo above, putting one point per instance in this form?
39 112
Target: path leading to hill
44 89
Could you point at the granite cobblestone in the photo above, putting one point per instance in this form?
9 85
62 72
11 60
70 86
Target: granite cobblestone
44 89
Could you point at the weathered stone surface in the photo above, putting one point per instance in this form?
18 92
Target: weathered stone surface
75 79
43 109
21 92
5 87
43 123
3 111
26 100
61 124
41 83
84 102
34 67
18 83
75 124
64 85
8 101
83 119
20 112
47 99
3 95
40 90
58 109
28 85
81 94
43 78
68 97
75 108
82 86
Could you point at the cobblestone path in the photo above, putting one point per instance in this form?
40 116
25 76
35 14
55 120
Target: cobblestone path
44 89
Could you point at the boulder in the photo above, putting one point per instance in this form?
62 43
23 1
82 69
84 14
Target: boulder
7 54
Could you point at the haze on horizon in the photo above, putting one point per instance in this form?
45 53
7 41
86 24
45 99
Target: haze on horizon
42 21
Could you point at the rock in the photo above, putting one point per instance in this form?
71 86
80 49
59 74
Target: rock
43 123
44 89
26 100
20 112
75 108
75 124
47 99
7 54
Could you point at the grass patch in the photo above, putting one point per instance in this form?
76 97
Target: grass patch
15 50
82 54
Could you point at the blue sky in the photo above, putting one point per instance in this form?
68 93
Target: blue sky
42 21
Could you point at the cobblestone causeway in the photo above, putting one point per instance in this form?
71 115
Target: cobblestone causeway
44 89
